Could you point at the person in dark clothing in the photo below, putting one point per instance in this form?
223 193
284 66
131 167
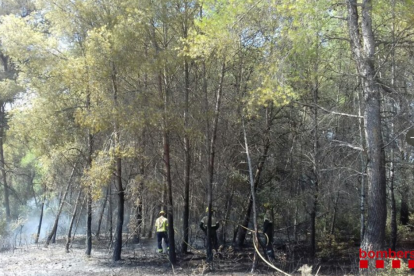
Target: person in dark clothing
268 231
214 226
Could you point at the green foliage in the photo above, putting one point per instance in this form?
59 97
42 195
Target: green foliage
28 159
334 245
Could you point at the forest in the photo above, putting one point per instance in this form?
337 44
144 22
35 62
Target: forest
293 112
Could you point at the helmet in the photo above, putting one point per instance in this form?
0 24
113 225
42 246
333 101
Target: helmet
162 212
212 210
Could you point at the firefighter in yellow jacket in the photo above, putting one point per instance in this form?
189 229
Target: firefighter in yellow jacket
161 226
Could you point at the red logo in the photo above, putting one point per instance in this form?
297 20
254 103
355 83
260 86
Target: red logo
364 256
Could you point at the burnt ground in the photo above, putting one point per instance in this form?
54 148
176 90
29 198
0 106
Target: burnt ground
139 259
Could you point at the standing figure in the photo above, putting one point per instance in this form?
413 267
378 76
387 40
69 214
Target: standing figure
161 226
214 226
268 231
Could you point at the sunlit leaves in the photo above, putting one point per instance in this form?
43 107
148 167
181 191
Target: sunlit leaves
273 91
29 47
100 173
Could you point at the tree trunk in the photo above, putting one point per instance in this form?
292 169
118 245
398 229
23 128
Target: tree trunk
363 169
229 204
89 188
169 198
138 219
150 226
211 162
241 233
316 159
394 228
109 223
118 177
39 227
167 162
253 195
79 217
62 202
364 57
120 214
393 234
335 209
138 211
187 153
404 211
98 231
55 231
187 161
3 163
68 238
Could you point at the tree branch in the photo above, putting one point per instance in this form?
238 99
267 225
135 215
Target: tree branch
346 144
330 111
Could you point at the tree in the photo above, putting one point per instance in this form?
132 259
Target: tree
364 51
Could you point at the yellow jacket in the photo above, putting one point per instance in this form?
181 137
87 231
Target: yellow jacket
161 224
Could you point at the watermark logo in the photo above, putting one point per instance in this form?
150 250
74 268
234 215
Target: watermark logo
379 257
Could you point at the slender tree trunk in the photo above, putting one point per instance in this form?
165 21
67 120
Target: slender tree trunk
62 202
2 161
187 153
138 212
98 231
167 162
79 217
118 177
169 198
335 209
404 210
229 204
187 161
69 236
394 228
393 233
316 161
363 169
89 188
256 243
212 160
138 219
120 214
55 231
364 57
150 226
88 222
110 228
39 227
241 234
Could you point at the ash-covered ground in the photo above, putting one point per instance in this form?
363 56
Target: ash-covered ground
137 259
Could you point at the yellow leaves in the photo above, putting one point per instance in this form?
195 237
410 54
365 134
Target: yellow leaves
100 173
8 89
217 32
270 85
102 169
27 43
270 91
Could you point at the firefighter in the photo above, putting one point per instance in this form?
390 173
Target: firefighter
214 226
161 226
268 231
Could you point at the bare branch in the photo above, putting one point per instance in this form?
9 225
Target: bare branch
330 111
346 144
